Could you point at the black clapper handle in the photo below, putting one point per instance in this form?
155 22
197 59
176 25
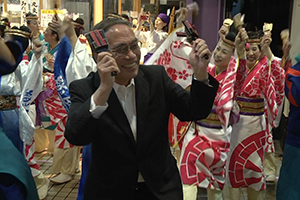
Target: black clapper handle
192 34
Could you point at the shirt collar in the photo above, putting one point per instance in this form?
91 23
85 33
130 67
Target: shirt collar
116 85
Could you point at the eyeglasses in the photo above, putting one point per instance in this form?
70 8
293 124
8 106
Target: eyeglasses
123 49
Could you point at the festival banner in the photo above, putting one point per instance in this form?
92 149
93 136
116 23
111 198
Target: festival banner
24 10
34 7
47 15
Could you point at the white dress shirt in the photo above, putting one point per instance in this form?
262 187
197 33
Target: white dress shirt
126 97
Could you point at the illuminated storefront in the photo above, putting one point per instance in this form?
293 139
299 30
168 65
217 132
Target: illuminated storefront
91 11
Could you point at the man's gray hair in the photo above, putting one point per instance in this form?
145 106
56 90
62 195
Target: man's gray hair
109 22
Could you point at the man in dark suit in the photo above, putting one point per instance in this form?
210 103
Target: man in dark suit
125 117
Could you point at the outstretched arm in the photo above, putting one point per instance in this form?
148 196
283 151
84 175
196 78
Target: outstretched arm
64 27
182 12
140 21
265 45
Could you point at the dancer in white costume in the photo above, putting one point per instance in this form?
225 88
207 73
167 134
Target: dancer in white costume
156 35
248 138
278 73
206 144
76 63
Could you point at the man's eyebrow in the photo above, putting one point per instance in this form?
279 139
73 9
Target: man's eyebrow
122 44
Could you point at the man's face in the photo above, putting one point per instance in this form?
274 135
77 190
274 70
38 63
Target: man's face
125 49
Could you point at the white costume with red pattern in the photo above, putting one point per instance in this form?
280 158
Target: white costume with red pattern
205 149
31 86
278 75
79 65
74 70
57 114
248 138
173 54
26 82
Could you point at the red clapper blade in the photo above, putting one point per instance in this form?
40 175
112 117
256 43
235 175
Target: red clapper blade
98 42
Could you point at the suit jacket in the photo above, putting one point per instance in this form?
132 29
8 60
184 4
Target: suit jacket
116 157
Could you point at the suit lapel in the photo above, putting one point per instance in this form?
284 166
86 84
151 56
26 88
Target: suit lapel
118 114
142 101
